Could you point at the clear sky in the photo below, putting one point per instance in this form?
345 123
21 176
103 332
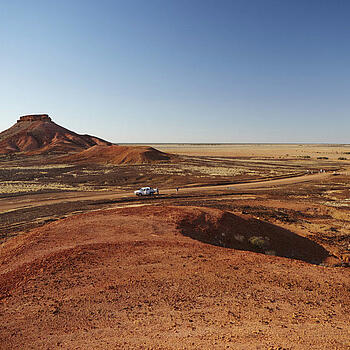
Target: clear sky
180 70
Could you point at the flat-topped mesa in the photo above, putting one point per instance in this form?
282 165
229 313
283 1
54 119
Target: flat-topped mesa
34 118
36 134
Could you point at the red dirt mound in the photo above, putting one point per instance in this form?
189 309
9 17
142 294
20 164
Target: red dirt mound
131 279
37 134
231 231
117 155
208 225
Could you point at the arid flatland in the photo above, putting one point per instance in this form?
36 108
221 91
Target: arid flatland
252 251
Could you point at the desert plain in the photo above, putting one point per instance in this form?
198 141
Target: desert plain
247 246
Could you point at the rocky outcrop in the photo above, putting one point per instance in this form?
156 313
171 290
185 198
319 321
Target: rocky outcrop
34 118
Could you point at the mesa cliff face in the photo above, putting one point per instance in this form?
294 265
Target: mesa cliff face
38 134
34 118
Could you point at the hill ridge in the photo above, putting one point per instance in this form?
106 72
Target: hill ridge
38 134
116 154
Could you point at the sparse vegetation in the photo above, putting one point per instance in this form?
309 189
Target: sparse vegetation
259 242
12 187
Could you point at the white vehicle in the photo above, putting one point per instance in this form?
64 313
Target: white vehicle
146 191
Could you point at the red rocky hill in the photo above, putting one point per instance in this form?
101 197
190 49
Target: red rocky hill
161 277
117 155
38 134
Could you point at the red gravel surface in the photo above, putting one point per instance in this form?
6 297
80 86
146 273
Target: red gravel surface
170 278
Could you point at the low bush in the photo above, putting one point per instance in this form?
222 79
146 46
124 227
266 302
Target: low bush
259 242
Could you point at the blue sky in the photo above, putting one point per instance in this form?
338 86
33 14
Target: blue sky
180 70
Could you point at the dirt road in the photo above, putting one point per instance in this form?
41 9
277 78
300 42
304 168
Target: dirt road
35 200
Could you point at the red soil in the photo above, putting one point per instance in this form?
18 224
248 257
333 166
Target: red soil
133 278
37 134
117 155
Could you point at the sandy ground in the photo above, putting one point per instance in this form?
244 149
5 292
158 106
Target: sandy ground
259 150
